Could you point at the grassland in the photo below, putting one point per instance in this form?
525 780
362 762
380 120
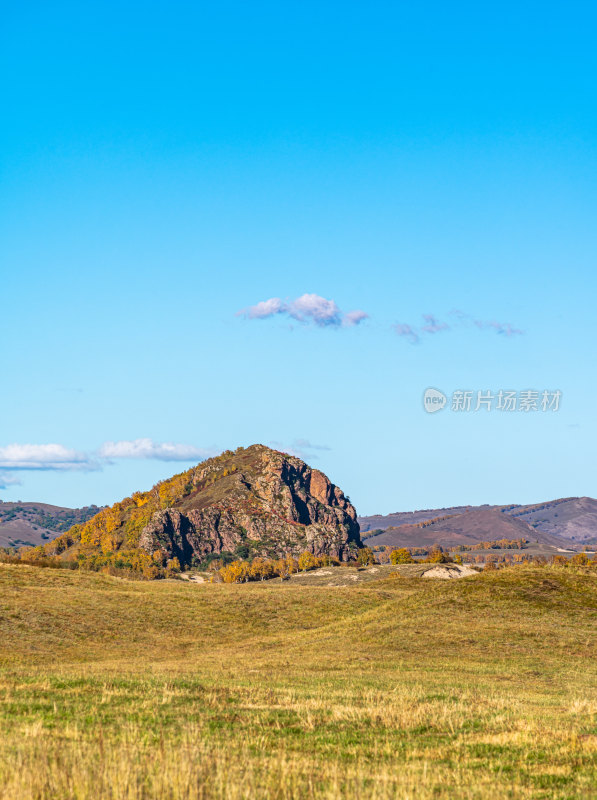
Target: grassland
392 687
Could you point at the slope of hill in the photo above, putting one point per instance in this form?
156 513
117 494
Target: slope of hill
34 523
250 502
572 518
480 525
381 521
555 522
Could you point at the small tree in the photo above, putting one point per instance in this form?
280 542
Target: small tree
401 556
261 569
292 565
237 572
172 567
365 557
281 569
307 561
437 556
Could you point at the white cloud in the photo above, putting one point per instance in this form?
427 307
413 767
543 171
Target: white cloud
43 457
354 318
266 308
147 448
313 307
308 308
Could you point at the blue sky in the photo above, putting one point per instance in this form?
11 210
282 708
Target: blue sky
166 166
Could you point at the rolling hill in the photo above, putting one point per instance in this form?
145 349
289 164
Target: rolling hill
35 523
480 525
566 522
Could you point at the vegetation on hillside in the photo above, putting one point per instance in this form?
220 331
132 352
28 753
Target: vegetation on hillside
50 518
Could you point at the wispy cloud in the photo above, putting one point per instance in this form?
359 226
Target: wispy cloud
407 331
458 319
307 309
305 444
6 480
301 448
433 325
147 448
503 328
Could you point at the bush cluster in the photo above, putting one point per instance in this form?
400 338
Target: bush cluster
261 569
124 563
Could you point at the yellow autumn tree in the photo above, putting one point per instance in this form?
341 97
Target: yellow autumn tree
261 569
236 572
292 565
307 561
281 569
401 556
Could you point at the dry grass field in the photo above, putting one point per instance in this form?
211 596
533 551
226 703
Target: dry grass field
389 687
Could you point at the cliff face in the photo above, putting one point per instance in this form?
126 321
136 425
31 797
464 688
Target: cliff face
257 499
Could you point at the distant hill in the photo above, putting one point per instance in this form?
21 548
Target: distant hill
35 523
480 525
573 518
381 522
569 521
247 503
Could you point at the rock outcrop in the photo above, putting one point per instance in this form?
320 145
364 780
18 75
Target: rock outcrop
255 502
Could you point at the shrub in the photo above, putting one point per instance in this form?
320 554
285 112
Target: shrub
365 557
437 556
401 556
580 560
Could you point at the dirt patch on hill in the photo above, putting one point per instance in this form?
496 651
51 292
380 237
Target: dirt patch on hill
351 576
449 571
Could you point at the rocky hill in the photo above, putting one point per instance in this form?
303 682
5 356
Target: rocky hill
247 503
35 523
